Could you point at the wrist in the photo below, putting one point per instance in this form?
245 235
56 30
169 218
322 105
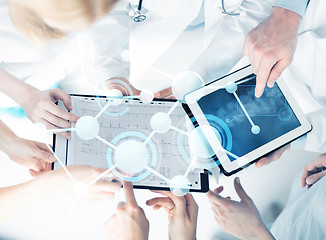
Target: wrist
284 15
29 94
263 233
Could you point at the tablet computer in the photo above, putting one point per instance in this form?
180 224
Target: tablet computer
243 128
167 154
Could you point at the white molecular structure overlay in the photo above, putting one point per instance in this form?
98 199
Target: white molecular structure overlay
131 156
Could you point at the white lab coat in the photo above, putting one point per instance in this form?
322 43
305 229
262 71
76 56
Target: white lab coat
96 55
304 215
306 76
164 45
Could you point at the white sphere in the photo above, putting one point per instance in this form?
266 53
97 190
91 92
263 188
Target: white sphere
180 185
161 122
231 87
146 96
81 190
255 129
131 156
186 82
117 97
87 128
198 143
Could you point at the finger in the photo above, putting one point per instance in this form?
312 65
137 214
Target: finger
257 56
240 191
304 177
318 163
164 93
121 205
44 153
312 179
129 192
40 165
157 207
264 161
64 97
34 173
260 86
55 120
56 110
277 70
192 206
48 167
217 199
50 126
264 70
218 190
162 201
180 202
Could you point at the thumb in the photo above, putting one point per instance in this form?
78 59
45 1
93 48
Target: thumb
44 154
64 97
240 191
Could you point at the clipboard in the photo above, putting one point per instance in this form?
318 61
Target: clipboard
131 119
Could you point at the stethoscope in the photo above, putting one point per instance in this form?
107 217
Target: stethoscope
139 13
235 12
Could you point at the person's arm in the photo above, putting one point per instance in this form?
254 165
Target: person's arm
33 155
271 45
53 184
17 199
130 222
39 106
182 213
240 219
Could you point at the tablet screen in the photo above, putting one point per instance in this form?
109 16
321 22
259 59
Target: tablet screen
242 129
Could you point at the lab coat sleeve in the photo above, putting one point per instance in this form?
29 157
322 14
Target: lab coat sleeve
298 6
110 44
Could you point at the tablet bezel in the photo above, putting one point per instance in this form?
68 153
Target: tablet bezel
204 181
227 166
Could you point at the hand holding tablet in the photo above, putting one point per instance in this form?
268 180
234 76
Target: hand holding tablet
241 128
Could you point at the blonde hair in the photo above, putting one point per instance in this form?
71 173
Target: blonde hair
29 15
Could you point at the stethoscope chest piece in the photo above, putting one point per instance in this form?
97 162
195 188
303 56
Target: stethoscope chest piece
138 15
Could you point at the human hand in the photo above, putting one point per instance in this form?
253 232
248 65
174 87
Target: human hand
314 171
272 156
58 184
110 85
33 155
41 107
130 222
240 219
182 214
271 45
